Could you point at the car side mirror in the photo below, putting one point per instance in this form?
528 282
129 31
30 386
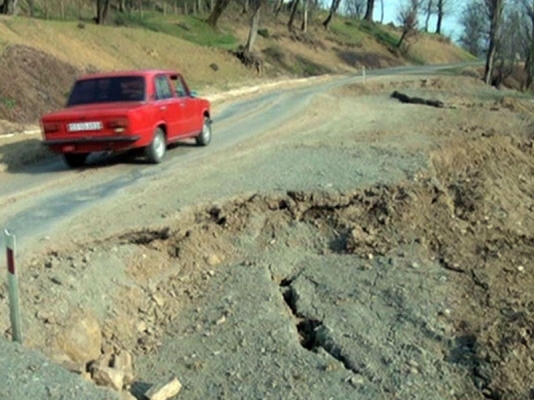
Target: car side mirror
193 93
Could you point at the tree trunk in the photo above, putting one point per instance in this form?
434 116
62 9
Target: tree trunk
333 9
294 7
495 27
253 33
369 11
304 26
401 40
6 7
31 7
199 6
219 8
428 14
102 7
381 11
278 7
440 17
245 7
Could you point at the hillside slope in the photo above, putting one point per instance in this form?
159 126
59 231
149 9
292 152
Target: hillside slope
40 59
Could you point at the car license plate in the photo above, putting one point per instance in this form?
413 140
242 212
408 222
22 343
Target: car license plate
85 126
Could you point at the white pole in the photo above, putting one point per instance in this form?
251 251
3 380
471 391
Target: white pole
12 284
363 73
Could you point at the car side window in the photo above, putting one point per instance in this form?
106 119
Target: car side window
179 87
163 89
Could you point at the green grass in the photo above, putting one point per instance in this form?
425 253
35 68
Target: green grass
8 102
190 28
378 32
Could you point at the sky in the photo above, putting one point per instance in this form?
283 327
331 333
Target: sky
450 25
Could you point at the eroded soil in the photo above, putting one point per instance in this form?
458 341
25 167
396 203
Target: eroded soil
416 286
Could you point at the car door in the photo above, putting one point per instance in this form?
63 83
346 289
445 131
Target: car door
168 107
183 99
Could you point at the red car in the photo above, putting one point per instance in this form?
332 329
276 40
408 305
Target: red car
127 110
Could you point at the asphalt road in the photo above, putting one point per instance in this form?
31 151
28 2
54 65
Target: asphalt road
34 200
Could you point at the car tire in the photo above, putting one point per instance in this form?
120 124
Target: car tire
156 150
204 138
75 160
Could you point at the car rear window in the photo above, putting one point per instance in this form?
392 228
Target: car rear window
107 90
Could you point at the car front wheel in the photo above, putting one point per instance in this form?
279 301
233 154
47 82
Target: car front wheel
75 160
156 150
204 138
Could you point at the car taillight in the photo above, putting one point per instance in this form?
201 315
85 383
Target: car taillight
118 125
51 127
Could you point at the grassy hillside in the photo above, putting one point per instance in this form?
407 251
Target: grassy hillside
40 58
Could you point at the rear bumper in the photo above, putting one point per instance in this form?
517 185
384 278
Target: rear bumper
103 140
92 144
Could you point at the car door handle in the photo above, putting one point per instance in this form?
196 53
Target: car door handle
163 108
182 104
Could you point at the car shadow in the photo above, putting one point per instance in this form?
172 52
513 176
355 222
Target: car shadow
31 157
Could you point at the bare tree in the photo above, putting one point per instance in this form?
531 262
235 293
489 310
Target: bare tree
444 8
333 10
429 9
254 24
304 25
511 46
494 13
407 17
527 29
7 7
381 11
102 8
355 8
294 7
474 28
217 11
369 11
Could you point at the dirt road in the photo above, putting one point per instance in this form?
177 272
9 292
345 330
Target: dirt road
350 247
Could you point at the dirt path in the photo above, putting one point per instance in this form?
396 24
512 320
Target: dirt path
323 258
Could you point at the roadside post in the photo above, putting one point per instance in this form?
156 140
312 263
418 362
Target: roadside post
363 73
12 285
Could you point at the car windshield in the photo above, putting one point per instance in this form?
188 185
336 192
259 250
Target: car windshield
107 90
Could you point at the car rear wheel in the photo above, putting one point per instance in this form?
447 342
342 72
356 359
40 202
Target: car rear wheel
156 150
75 160
204 138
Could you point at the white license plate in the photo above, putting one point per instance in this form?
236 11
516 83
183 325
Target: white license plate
85 126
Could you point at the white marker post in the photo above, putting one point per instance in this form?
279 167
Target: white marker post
363 73
13 288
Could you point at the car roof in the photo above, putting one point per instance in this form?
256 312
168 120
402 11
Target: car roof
137 72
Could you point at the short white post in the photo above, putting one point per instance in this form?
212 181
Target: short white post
12 284
363 73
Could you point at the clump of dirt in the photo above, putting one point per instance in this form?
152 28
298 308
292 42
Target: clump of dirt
33 83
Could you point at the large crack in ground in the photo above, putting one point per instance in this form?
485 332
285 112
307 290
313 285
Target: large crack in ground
313 334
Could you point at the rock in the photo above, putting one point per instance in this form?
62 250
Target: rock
141 326
108 377
164 391
105 360
159 300
82 338
127 396
213 260
123 362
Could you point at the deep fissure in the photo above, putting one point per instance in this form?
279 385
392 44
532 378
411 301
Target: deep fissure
309 329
